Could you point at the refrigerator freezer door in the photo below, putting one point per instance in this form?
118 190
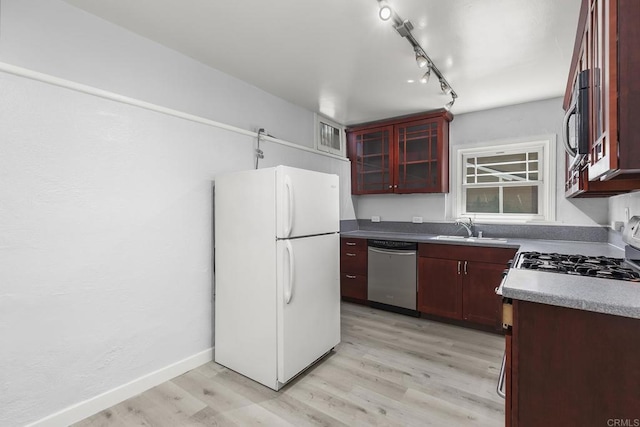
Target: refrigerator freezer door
308 301
308 202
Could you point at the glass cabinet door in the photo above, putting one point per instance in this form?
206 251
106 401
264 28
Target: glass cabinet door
418 158
596 46
403 155
371 152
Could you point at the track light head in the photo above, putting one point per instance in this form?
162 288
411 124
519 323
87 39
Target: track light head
449 104
425 78
421 59
385 11
445 87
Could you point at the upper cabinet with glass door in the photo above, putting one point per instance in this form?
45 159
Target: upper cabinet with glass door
370 153
613 46
607 48
405 155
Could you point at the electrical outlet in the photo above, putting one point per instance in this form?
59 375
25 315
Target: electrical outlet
617 225
375 218
417 220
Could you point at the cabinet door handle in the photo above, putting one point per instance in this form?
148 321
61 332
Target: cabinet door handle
465 267
350 254
391 186
349 276
459 267
395 186
351 243
501 377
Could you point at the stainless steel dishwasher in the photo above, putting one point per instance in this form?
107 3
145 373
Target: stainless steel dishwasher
392 274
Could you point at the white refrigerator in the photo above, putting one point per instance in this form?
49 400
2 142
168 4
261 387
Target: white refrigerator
277 271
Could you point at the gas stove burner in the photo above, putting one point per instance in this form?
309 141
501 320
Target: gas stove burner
551 267
580 265
585 269
543 256
602 261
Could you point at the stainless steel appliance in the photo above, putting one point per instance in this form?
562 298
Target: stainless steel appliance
578 129
580 265
626 269
631 237
576 124
392 274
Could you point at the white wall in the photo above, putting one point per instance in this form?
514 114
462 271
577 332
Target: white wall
106 208
486 128
56 38
618 204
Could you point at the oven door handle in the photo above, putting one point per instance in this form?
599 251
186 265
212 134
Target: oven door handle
501 377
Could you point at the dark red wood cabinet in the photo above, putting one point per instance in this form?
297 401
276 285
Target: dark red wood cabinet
571 367
458 282
353 269
608 46
439 287
577 185
402 155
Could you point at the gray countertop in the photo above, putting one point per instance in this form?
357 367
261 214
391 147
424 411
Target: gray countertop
615 297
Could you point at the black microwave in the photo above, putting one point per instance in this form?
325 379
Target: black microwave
576 119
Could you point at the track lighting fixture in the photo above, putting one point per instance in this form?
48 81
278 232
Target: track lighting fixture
444 86
421 60
450 103
385 11
404 27
425 78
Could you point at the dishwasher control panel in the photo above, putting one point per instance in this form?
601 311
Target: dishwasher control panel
393 244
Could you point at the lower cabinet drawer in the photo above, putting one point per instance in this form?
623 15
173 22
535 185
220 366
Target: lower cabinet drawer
350 244
353 285
354 261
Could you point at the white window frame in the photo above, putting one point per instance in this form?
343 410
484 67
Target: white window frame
343 144
546 197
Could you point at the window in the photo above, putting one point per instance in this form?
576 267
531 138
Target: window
329 137
510 182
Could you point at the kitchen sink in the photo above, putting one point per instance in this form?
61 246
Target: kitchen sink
471 239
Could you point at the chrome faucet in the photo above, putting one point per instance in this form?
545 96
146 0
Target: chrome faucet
467 225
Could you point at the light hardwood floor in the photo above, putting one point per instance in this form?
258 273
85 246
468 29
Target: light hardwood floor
389 370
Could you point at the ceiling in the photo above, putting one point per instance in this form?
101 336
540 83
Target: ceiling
338 58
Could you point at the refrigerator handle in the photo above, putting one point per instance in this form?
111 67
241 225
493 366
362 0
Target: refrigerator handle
287 184
288 290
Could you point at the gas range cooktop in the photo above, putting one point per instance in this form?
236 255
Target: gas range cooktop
579 265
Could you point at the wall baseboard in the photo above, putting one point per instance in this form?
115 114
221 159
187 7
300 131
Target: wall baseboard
82 410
